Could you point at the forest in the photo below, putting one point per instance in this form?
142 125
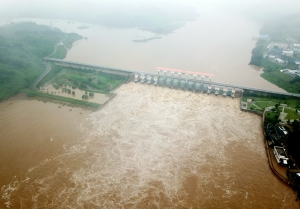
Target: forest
22 47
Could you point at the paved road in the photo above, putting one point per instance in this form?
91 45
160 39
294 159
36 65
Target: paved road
48 68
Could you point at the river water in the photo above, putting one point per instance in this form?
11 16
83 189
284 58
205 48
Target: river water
167 149
149 147
219 42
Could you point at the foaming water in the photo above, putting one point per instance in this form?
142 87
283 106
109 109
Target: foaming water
154 147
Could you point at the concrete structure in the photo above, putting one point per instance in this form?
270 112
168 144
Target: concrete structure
201 81
288 53
292 73
279 61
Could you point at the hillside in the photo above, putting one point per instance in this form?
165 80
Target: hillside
283 35
22 46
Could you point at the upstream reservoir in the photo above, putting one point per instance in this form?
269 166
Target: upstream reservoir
208 45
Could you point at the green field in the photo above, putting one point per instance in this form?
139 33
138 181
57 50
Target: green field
291 114
88 80
60 53
260 101
282 80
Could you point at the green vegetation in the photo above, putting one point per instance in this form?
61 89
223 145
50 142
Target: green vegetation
282 80
88 80
260 101
62 47
55 71
257 53
31 93
60 53
292 114
272 70
284 30
22 46
71 38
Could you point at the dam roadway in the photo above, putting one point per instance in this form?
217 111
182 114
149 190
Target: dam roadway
167 74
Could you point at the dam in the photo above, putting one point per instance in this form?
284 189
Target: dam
174 78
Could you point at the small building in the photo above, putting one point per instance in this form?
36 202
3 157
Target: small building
279 61
238 93
280 155
272 57
293 73
288 53
298 63
249 100
296 47
282 46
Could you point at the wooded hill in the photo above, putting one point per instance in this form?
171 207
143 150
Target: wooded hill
22 47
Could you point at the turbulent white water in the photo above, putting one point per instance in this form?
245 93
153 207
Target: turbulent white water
154 147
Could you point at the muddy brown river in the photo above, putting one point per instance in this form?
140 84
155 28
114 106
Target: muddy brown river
149 147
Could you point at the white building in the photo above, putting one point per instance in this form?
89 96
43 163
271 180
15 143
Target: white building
272 57
288 53
279 61
296 46
293 73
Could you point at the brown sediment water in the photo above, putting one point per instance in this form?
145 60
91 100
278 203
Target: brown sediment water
218 42
33 132
149 147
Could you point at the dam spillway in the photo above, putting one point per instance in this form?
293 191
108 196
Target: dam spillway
186 80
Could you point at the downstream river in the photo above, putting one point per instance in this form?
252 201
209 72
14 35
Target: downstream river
218 42
167 149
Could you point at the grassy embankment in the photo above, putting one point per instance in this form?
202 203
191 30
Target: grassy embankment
61 50
87 80
63 100
284 30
